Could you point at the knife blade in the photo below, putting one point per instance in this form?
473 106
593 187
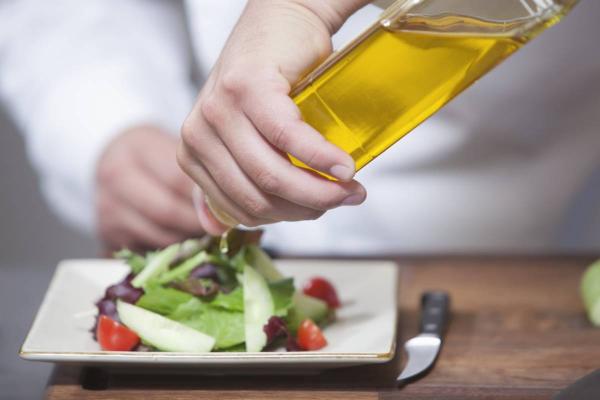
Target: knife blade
586 388
422 350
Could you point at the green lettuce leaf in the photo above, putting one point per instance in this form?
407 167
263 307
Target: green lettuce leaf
239 261
226 326
135 261
162 300
188 309
233 301
282 292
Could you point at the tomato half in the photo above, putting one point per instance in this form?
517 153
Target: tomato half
322 289
310 336
114 336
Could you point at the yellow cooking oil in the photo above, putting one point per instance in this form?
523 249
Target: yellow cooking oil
397 76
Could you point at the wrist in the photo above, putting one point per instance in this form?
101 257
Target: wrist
333 13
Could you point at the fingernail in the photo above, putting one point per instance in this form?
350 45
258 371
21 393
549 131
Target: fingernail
342 172
353 199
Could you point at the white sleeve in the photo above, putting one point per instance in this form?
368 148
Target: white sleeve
75 74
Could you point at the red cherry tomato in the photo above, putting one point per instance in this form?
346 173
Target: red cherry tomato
114 336
310 336
322 289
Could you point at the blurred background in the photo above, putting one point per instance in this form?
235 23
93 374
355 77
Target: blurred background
32 241
30 232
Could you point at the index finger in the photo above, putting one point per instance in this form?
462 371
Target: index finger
278 119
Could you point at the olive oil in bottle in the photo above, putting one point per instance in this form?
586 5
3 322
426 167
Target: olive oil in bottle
400 72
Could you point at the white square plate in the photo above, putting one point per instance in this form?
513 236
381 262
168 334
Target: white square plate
364 332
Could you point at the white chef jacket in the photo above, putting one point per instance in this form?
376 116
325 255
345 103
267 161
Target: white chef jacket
511 165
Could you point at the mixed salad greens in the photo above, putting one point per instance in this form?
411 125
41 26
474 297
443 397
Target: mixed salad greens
212 295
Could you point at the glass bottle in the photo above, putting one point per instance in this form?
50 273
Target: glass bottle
413 60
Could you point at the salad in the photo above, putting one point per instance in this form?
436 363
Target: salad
212 294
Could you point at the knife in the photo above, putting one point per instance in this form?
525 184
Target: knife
586 388
423 349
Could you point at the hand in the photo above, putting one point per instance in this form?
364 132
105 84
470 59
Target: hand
235 140
143 199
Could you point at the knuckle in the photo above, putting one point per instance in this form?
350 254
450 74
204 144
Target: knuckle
182 156
192 143
313 157
187 131
279 134
267 181
211 110
234 82
188 175
256 207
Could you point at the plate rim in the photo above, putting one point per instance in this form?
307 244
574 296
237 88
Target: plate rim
211 358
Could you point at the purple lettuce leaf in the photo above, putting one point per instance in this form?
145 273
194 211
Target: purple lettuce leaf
277 331
107 305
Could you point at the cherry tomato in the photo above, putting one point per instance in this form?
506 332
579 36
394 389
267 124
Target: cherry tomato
114 336
322 289
310 336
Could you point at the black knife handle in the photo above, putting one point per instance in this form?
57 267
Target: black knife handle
435 311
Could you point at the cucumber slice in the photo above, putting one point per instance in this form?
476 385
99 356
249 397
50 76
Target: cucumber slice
306 307
262 263
159 263
163 333
590 292
258 308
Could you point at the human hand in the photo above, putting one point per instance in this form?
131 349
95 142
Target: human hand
235 140
143 199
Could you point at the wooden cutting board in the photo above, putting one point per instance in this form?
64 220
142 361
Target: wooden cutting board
518 331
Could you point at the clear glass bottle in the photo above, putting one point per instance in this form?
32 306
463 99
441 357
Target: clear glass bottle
414 59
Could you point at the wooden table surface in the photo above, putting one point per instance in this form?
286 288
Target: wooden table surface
518 331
